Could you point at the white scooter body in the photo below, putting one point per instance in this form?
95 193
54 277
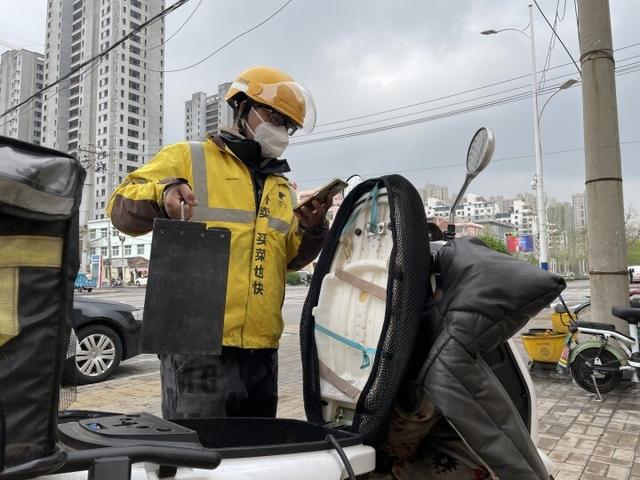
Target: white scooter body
321 465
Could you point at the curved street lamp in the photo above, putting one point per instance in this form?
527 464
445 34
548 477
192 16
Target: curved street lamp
540 203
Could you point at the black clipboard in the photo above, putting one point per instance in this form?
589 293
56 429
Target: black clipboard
186 290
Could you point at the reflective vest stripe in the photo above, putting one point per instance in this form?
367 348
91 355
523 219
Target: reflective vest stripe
279 225
30 251
203 213
21 251
294 198
16 193
9 326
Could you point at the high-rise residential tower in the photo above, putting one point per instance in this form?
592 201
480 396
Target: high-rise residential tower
21 76
110 114
206 114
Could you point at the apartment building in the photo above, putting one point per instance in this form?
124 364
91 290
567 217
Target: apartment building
206 114
109 114
439 192
21 76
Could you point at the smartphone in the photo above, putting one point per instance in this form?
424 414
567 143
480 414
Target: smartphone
334 186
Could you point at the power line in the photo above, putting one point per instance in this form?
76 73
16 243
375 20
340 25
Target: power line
552 42
558 37
394 109
52 95
456 165
258 25
101 55
526 94
497 102
177 31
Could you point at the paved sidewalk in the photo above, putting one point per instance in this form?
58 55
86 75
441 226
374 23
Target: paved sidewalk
586 438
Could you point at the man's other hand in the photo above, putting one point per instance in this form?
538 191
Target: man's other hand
174 196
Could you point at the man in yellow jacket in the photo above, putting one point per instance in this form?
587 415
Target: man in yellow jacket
234 180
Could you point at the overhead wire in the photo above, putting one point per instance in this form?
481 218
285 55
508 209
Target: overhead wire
547 60
155 18
61 87
557 36
394 109
521 87
229 42
177 31
457 165
497 102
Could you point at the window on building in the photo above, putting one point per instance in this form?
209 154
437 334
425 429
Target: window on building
127 250
115 251
140 249
103 250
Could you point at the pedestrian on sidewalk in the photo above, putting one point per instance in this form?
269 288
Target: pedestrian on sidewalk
235 180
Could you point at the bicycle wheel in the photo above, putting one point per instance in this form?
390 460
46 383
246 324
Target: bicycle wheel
584 374
583 312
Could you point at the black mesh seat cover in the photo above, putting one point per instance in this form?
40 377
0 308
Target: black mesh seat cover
407 292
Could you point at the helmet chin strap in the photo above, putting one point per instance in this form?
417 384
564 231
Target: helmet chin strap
240 122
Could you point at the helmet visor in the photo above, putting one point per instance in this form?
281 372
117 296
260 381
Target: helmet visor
289 98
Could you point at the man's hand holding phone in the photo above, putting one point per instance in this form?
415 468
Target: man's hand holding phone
312 211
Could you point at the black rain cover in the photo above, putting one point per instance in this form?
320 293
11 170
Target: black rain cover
407 292
40 192
487 298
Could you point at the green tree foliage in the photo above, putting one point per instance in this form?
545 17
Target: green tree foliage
633 254
293 278
493 243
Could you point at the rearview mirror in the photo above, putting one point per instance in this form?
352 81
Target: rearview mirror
478 157
352 181
480 151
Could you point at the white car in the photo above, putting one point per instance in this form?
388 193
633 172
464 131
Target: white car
141 282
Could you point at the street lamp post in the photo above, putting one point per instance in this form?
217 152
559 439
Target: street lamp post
540 203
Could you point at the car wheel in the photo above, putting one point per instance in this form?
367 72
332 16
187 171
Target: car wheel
98 354
137 283
89 290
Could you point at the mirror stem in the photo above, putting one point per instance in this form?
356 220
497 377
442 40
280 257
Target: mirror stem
452 214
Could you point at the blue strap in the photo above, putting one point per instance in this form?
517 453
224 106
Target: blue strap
373 220
350 343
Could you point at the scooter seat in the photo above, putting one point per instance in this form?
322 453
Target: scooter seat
631 315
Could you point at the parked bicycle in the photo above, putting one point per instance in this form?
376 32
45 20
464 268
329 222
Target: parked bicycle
583 310
598 365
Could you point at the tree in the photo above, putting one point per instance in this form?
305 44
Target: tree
631 226
493 243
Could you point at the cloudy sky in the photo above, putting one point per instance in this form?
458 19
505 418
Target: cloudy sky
359 58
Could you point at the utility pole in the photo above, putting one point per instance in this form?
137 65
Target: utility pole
605 207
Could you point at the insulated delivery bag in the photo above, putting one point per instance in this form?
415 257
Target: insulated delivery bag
40 191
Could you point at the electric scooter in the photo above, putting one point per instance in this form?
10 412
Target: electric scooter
139 446
598 365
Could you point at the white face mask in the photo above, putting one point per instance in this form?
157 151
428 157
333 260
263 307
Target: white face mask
273 140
